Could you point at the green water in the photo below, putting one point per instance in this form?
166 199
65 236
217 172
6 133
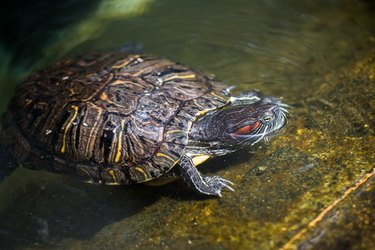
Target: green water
316 55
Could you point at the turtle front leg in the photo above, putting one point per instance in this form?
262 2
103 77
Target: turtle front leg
209 185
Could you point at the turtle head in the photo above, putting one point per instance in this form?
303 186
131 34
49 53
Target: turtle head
251 123
244 122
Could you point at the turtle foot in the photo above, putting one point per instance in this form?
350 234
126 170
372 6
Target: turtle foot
208 185
214 185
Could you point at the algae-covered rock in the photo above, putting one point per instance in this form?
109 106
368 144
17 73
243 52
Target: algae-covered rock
343 114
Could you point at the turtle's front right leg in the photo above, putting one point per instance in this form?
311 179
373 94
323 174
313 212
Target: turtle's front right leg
209 185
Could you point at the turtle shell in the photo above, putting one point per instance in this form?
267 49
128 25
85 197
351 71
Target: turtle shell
113 117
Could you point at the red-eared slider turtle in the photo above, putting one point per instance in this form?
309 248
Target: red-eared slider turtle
116 118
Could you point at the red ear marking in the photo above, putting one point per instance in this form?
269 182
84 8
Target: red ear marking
247 129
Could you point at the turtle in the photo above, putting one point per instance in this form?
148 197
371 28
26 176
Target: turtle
123 118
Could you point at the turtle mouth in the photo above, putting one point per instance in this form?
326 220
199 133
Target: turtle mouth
266 130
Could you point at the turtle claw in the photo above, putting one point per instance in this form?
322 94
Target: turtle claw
215 184
209 185
229 187
227 181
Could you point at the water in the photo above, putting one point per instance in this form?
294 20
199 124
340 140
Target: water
312 53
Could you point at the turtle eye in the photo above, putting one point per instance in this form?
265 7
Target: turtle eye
267 118
245 130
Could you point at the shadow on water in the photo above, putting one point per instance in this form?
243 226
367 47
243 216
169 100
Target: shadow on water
50 207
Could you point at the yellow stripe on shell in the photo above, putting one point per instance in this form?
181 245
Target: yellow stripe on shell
72 92
104 96
191 76
165 156
123 64
28 102
93 129
112 184
119 146
112 174
203 112
175 131
197 104
142 171
68 127
220 97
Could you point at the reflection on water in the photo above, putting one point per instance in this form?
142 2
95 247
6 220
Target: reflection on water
285 48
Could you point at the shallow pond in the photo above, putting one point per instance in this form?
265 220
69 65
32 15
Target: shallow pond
311 188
